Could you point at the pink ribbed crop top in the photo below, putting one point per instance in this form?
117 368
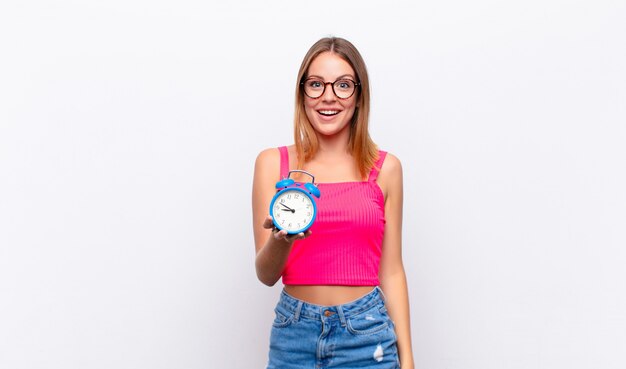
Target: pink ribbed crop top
346 239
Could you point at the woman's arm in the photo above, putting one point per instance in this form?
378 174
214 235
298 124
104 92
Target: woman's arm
272 248
392 275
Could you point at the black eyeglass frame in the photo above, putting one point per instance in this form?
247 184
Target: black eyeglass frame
332 84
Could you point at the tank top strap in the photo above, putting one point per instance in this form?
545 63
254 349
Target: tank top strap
284 162
379 164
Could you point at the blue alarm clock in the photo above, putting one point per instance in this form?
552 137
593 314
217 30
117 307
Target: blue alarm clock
293 207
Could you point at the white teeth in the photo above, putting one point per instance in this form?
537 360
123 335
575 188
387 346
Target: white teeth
329 112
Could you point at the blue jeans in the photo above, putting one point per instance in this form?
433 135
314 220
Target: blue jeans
358 334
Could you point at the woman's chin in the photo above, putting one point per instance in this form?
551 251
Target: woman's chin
329 130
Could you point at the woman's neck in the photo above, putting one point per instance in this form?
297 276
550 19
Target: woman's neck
335 145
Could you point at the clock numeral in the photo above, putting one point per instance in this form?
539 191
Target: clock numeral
277 215
283 222
289 196
296 196
308 213
308 206
289 225
282 201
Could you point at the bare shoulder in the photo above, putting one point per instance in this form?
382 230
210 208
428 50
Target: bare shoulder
392 168
268 156
390 177
268 163
271 156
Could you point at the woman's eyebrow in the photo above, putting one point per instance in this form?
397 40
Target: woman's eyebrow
338 78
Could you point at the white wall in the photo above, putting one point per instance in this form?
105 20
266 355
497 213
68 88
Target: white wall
128 132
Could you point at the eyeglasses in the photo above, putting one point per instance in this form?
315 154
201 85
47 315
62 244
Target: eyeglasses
342 88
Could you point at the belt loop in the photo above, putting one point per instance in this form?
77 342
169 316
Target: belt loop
342 318
296 314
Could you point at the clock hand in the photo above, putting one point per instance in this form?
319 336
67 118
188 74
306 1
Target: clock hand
288 208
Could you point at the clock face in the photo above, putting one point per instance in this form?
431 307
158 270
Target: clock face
293 210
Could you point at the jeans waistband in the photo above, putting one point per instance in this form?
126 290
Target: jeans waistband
338 312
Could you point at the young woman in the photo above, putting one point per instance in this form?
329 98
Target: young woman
345 301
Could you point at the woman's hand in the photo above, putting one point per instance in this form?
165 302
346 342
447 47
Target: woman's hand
282 235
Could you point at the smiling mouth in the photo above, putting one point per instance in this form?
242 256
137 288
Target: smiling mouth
328 113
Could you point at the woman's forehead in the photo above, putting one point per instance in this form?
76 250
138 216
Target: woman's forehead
330 65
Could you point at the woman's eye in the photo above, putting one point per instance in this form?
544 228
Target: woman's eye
315 84
344 84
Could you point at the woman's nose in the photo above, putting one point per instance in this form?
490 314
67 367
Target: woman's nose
329 94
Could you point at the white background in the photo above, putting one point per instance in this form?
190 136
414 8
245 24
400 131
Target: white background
129 129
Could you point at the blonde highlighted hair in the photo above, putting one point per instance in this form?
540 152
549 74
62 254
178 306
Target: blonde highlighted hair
361 146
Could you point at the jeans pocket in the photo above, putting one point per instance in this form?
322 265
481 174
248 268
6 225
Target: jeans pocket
368 322
282 320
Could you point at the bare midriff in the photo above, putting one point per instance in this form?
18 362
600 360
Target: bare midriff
328 295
